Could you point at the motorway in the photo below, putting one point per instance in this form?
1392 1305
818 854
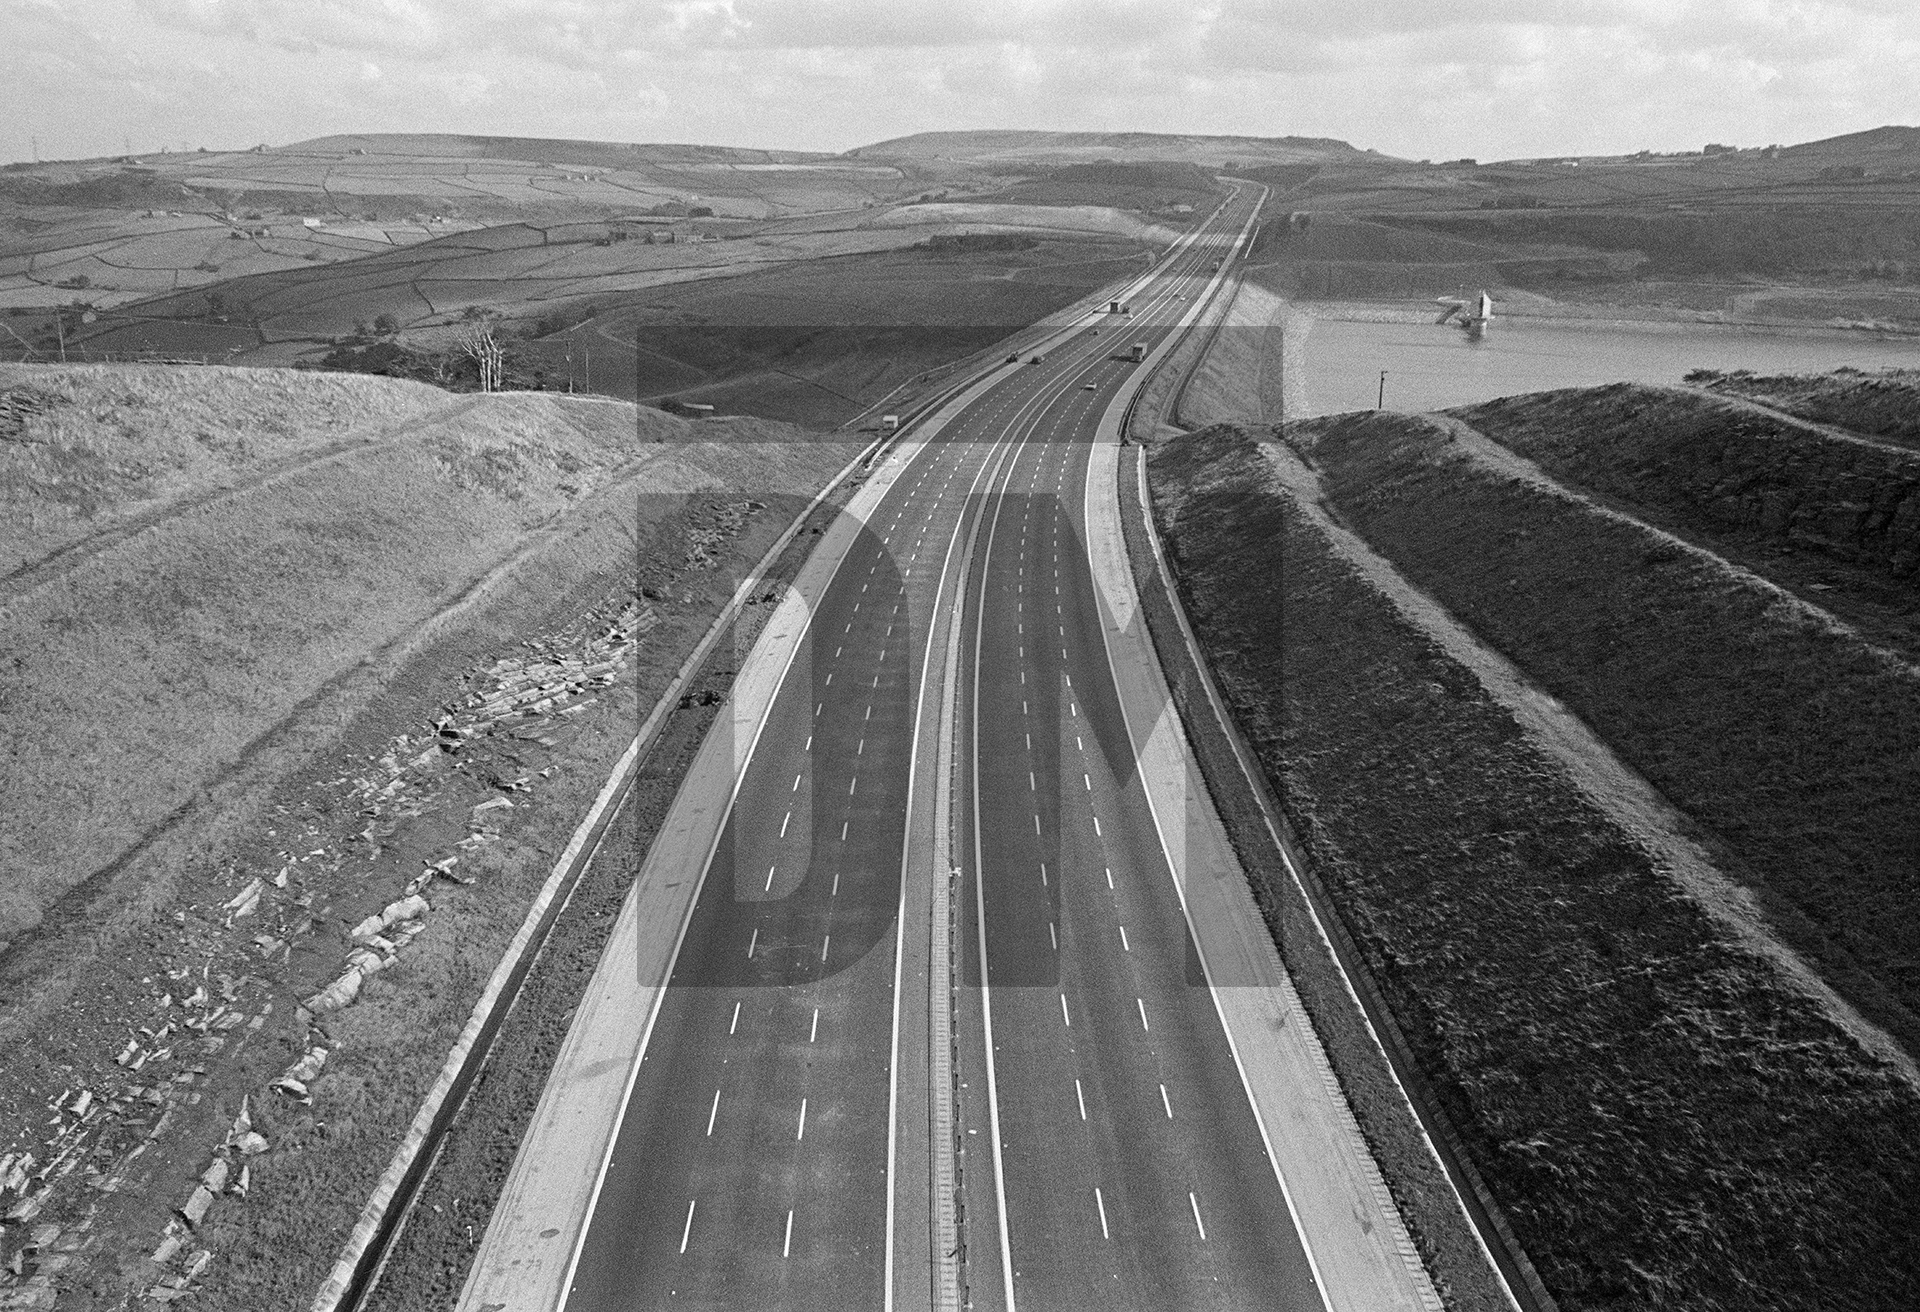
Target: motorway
772 1148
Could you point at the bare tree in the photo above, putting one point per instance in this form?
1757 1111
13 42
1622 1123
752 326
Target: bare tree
478 344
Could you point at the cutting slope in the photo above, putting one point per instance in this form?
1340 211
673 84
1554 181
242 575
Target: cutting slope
218 591
1783 734
1666 1110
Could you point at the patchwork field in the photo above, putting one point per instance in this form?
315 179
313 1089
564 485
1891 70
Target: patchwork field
1613 1000
604 266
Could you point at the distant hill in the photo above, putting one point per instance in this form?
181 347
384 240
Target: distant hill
608 154
1149 186
1085 147
1875 142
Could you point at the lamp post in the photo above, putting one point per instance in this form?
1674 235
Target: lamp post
1380 402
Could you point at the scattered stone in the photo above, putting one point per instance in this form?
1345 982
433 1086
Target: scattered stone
194 1211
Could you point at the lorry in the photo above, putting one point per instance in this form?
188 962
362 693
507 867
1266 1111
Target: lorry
1139 352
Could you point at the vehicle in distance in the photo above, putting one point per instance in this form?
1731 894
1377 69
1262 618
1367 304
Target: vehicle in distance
1139 352
1089 387
1013 359
1036 359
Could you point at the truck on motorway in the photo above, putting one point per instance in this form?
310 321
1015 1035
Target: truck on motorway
1139 352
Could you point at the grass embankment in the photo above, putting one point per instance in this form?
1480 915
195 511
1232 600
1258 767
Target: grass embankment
1885 404
97 454
1836 521
1239 380
143 670
328 612
1788 739
1664 1122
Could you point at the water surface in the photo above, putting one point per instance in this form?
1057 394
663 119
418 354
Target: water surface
1334 366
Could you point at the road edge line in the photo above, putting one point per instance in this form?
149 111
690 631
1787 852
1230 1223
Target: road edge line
349 1267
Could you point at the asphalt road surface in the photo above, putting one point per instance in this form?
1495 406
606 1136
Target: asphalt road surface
753 1164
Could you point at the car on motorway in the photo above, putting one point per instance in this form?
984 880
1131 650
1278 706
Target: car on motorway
1036 359
1013 359
1089 387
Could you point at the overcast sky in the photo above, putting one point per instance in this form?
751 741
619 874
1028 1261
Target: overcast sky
1417 78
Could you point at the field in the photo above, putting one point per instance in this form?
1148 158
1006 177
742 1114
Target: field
224 629
1817 233
1670 1108
606 266
816 342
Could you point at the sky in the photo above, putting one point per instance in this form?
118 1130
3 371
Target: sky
1439 79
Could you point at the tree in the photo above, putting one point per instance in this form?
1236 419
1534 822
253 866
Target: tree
386 325
478 344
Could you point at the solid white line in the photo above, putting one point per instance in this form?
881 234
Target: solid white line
1199 1225
1124 945
1142 1004
1063 1011
1166 851
713 1113
823 947
801 1133
736 1019
1101 1203
1079 1097
814 1033
1109 870
1053 936
1043 874
900 937
789 819
688 1228
750 942
1166 1101
786 1245
769 887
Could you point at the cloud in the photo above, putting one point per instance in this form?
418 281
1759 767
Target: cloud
1490 78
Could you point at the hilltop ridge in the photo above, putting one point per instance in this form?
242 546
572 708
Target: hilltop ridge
1030 147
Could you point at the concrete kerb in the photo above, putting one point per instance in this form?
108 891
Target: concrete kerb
919 430
1322 1162
345 1283
1475 1200
1285 1070
509 1263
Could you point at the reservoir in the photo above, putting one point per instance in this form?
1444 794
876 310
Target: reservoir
1334 365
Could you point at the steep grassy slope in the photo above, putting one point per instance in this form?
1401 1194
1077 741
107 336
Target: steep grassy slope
151 657
1884 404
1835 520
1787 738
1665 1120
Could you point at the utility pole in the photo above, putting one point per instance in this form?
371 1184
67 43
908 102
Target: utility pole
588 348
60 330
1380 403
